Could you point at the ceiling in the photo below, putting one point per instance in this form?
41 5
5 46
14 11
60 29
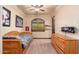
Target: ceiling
33 9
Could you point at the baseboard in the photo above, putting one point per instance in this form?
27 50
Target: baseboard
41 38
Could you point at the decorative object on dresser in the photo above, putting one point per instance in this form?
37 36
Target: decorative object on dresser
64 44
68 29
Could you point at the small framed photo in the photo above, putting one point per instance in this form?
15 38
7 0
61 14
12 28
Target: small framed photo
27 28
6 17
19 21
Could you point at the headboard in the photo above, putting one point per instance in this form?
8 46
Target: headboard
24 33
12 33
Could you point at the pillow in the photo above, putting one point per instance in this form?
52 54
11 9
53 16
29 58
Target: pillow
21 37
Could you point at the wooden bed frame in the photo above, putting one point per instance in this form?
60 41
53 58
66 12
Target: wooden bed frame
14 46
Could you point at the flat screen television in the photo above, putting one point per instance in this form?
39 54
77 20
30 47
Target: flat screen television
68 29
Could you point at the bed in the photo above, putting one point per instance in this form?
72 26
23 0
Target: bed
23 39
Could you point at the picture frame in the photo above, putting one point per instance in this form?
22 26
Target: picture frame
27 28
6 17
19 21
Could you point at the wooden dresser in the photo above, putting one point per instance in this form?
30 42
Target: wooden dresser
63 44
12 46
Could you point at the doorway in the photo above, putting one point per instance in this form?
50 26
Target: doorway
53 25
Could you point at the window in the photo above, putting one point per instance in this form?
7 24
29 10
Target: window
38 25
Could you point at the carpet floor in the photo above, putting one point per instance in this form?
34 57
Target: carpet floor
41 46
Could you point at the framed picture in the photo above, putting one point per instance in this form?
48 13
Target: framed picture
6 17
27 28
19 21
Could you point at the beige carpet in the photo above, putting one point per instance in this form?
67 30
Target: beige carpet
41 46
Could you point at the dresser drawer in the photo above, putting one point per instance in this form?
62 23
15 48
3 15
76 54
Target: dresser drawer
60 43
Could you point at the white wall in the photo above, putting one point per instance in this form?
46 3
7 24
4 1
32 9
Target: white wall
67 16
14 11
48 21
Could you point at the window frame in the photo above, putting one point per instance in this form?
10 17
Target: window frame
36 19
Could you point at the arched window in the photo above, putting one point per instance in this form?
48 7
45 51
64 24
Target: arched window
38 24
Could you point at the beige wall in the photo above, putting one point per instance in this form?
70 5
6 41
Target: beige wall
47 19
14 11
27 22
67 16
